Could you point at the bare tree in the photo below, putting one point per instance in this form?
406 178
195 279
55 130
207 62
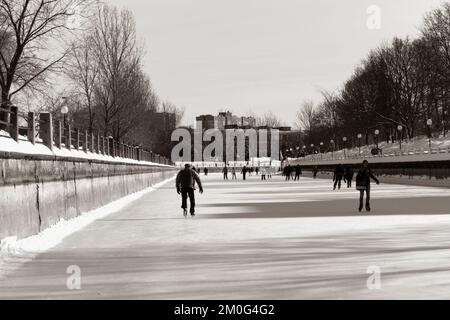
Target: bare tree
269 119
119 55
169 107
305 116
83 71
33 24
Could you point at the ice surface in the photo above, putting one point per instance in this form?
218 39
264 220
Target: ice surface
254 240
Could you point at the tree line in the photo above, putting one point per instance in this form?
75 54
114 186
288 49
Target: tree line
81 54
398 90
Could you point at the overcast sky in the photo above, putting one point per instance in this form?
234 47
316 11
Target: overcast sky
260 55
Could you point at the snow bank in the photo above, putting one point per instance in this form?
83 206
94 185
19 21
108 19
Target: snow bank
14 252
26 147
416 149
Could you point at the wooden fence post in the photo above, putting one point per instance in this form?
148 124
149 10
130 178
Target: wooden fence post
86 141
58 135
46 129
68 137
111 149
92 142
77 139
14 123
31 128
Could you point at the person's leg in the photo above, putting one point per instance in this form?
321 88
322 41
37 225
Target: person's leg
361 199
184 196
192 200
339 184
368 199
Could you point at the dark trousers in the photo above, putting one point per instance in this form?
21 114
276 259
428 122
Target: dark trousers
349 183
337 183
225 176
185 193
361 197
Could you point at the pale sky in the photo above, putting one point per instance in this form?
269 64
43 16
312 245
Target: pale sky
261 55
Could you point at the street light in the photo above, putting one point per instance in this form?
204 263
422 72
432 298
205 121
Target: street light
429 124
359 142
400 130
65 110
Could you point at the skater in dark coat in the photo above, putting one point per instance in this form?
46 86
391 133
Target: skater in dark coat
233 174
363 179
315 172
349 176
338 176
205 171
185 182
225 173
244 172
298 172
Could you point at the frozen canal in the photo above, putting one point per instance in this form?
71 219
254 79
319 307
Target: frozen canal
254 240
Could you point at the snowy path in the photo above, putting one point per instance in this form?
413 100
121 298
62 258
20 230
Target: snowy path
254 240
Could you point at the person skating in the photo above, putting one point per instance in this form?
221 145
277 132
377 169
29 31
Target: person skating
298 172
315 172
233 174
263 174
185 181
349 176
244 173
363 179
205 171
338 176
225 173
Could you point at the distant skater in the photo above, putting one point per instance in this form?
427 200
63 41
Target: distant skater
205 171
348 178
338 176
315 172
263 174
244 173
298 172
233 174
225 173
185 181
363 179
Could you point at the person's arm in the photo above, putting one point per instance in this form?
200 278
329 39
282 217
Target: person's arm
177 182
373 177
199 182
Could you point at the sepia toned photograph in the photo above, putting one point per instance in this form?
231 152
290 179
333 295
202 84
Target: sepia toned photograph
196 151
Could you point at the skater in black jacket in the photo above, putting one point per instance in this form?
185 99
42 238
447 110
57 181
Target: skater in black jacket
363 184
185 181
349 176
338 176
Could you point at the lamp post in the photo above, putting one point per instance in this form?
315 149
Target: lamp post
344 139
429 124
359 142
65 110
377 133
400 130
321 150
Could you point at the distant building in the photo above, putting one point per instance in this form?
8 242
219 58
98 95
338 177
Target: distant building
208 121
225 120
